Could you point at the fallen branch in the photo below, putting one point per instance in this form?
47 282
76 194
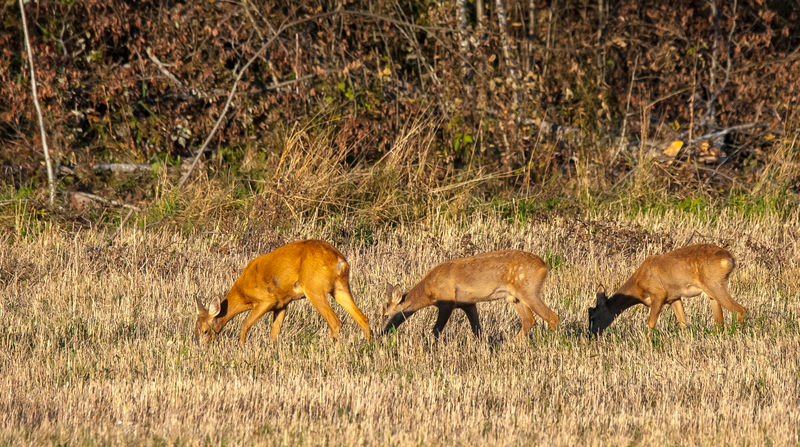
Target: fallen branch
163 68
85 196
51 181
728 130
122 167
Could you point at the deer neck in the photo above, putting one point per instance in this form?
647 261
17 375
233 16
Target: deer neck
417 298
621 301
233 304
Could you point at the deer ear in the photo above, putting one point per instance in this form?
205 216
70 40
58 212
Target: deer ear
396 294
214 307
199 304
601 289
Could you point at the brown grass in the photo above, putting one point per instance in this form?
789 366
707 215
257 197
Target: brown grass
95 343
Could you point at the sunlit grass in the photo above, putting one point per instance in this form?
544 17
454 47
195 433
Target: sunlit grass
95 341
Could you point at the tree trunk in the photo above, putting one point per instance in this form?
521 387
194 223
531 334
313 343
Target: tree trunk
463 39
502 21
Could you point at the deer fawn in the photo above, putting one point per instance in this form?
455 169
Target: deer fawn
514 275
313 269
665 279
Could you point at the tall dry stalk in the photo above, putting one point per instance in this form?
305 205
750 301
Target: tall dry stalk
51 181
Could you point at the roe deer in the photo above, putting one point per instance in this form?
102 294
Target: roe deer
665 279
311 268
514 275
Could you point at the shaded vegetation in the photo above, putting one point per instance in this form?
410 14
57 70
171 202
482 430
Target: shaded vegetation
386 111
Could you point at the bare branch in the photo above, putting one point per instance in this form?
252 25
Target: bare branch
627 110
480 14
163 68
728 130
51 182
258 54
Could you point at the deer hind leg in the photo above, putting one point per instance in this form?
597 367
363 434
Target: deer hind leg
716 310
533 298
277 321
445 311
677 309
526 316
319 299
719 293
341 292
472 316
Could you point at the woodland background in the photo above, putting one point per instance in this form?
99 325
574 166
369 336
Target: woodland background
561 101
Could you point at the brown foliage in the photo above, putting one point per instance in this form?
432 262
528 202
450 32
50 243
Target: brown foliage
676 70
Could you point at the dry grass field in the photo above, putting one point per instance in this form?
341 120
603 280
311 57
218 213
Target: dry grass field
95 342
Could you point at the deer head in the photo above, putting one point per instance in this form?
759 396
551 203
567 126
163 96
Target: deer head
207 325
395 301
600 316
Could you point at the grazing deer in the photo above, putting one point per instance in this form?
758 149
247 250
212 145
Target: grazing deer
514 275
313 269
665 279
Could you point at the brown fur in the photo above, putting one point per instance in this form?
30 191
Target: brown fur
665 279
460 283
311 268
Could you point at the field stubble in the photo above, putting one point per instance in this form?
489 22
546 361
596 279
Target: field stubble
95 342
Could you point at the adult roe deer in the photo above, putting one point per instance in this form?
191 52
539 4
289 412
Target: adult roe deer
310 268
514 275
665 279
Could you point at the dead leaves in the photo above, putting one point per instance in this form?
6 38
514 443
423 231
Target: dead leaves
703 153
673 149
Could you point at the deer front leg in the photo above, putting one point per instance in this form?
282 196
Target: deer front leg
277 321
255 314
445 311
655 309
